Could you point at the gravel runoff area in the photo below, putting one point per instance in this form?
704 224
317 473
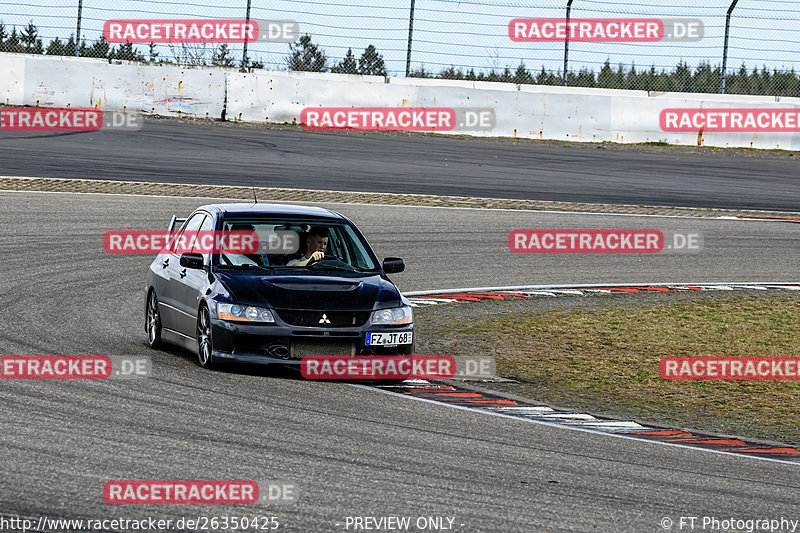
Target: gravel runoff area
269 194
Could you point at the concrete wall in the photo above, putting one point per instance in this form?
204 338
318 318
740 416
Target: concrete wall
527 111
81 82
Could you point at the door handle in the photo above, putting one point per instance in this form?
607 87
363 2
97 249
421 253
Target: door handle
165 263
183 273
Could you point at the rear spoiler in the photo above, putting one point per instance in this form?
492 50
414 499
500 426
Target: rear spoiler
175 224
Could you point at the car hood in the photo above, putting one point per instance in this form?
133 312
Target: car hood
322 292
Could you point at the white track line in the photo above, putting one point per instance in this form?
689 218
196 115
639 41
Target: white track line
574 428
791 285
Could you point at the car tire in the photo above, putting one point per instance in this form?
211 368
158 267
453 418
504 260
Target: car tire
205 346
152 323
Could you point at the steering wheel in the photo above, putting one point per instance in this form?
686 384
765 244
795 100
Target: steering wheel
327 257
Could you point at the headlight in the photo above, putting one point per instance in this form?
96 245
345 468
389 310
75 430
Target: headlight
392 317
244 313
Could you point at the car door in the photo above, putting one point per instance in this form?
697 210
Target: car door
191 284
173 310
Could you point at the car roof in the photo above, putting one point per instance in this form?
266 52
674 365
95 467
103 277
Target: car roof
281 210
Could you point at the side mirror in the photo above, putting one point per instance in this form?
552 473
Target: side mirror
194 261
392 265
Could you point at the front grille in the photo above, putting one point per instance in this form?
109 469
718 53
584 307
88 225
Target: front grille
302 348
338 319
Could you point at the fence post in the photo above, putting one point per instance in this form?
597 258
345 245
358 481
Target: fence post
78 32
566 43
244 51
410 32
725 48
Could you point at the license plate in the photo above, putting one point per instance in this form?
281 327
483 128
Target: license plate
386 339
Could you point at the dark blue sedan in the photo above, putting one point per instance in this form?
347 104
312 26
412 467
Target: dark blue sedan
330 296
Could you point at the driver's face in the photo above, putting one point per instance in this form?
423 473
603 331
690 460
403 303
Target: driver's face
316 244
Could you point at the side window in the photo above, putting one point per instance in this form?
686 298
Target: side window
207 225
338 245
191 225
360 257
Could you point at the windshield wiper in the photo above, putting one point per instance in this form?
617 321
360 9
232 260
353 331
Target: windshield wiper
243 267
332 267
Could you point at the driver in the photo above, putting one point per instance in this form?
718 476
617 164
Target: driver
316 243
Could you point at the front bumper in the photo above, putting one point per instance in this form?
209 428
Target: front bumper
285 344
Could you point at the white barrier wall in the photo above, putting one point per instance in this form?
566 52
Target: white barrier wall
81 82
526 111
279 96
12 78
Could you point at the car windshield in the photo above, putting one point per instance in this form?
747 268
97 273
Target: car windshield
301 244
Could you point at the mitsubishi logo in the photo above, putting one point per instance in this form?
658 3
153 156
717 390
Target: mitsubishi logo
324 319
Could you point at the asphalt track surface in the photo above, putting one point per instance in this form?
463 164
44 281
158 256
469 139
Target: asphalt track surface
233 154
351 451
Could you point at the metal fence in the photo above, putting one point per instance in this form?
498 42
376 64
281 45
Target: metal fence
748 46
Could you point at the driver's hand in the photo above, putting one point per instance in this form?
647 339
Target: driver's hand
317 256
